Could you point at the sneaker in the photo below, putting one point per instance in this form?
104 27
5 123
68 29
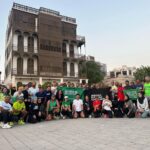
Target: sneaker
6 126
11 123
64 117
21 122
1 124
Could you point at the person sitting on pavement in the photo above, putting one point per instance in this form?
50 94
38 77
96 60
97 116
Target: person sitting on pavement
106 107
87 107
97 107
78 107
142 105
6 113
52 108
65 108
19 111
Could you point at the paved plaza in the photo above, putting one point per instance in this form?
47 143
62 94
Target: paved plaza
80 134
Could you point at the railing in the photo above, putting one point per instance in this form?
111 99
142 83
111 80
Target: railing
80 38
25 8
67 55
14 72
49 11
68 19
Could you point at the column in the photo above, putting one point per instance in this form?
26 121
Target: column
40 80
14 65
13 81
36 24
25 65
76 69
25 43
61 80
35 45
68 69
15 42
35 66
67 49
87 81
76 54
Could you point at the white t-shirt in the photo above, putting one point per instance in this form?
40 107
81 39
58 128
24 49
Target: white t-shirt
5 106
106 105
78 104
32 91
16 94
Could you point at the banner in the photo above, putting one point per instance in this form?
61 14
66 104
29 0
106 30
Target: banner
71 92
132 93
101 93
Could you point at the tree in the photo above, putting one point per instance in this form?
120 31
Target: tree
142 72
92 71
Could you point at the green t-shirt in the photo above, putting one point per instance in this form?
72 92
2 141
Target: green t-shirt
18 106
2 96
147 89
66 103
52 105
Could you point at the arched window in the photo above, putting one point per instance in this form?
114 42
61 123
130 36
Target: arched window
71 50
19 66
72 69
30 69
64 68
20 43
31 44
64 49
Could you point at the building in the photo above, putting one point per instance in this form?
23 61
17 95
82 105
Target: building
42 45
120 75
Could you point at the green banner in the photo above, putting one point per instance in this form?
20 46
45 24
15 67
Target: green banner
71 92
132 93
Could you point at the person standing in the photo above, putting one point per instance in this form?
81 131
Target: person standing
147 88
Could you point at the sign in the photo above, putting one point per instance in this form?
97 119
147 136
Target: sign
71 92
132 93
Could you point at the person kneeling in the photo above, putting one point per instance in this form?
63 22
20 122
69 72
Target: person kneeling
52 109
97 106
107 104
34 112
6 112
19 111
129 107
78 107
65 108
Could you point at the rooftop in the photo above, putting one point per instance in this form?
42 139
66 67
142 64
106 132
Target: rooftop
43 10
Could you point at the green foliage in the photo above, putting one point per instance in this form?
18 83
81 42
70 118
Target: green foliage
44 86
142 72
91 70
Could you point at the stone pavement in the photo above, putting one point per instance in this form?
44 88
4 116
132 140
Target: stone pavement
80 134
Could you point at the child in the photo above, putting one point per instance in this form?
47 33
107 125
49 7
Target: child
107 104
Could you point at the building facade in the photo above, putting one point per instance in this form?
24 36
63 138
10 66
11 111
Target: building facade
120 75
42 45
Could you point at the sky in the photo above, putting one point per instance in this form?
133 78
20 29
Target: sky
117 31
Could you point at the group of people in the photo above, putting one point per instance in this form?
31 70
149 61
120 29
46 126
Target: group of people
32 105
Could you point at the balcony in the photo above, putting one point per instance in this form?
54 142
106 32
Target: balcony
24 73
73 56
80 40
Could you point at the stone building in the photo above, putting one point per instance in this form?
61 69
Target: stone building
42 45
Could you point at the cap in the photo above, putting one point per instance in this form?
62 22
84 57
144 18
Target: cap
66 97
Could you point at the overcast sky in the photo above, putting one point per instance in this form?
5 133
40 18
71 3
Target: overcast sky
117 31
